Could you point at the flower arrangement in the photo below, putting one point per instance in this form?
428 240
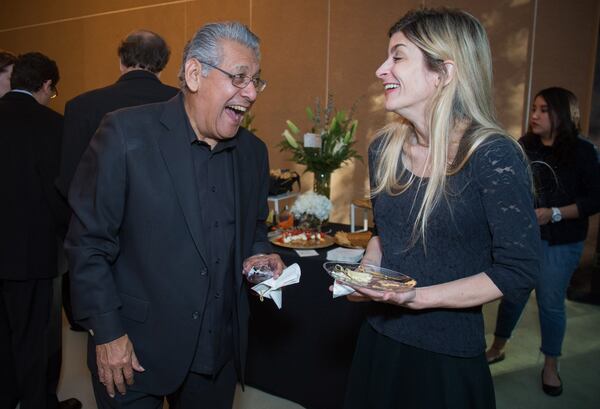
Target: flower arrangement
311 209
328 144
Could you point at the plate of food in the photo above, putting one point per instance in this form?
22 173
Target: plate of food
302 239
368 276
356 240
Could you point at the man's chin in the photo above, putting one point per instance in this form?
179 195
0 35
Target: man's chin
230 132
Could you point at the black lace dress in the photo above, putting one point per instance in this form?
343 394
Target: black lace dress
485 223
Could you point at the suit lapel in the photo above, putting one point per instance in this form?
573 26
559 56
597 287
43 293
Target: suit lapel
176 152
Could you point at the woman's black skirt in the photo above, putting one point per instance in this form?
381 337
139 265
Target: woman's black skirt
387 374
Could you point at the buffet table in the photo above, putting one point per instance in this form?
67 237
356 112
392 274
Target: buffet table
303 352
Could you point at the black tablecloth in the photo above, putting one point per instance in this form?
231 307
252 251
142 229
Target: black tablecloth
303 352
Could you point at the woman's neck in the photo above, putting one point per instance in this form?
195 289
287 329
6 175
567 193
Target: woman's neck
421 135
547 140
417 151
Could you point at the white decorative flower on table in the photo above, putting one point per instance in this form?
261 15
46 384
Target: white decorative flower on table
311 204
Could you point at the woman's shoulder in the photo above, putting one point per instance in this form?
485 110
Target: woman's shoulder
498 160
376 147
498 147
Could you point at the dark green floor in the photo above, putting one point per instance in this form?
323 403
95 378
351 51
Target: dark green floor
517 378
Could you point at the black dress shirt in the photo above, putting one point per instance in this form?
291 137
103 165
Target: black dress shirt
214 178
557 184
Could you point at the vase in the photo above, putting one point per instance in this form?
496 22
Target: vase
322 184
309 222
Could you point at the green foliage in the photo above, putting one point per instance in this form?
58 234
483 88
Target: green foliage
337 130
247 122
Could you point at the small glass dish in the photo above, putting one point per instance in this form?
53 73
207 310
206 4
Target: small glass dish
258 274
368 276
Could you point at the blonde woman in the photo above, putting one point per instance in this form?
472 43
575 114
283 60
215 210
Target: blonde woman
453 205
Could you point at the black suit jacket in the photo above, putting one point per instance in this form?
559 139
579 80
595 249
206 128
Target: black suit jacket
135 244
33 213
84 113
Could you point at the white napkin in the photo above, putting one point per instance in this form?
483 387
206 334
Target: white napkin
306 253
340 290
271 288
345 255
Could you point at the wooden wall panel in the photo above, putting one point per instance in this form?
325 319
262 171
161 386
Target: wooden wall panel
310 48
199 12
358 46
86 49
565 49
294 57
24 13
507 23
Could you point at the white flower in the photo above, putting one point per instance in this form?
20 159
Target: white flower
313 204
338 145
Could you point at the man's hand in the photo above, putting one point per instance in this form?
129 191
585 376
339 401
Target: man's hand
116 362
272 260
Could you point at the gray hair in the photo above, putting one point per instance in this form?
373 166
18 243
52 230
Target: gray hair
205 45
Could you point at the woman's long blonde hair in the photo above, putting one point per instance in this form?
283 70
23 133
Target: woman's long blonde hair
466 100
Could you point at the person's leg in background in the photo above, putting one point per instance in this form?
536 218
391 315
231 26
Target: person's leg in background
509 314
54 337
28 310
9 393
558 264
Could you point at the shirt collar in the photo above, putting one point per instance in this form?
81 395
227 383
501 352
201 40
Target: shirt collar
22 91
220 146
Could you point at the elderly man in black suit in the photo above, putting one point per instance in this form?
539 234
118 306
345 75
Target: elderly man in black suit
32 216
169 204
143 55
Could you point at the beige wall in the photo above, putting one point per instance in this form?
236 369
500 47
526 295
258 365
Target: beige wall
311 47
564 51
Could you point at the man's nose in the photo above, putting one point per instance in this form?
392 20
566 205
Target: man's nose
249 91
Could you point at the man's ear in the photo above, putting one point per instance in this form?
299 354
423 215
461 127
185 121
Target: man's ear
193 74
47 87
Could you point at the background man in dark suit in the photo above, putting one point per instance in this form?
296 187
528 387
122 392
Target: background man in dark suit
7 60
142 55
169 204
32 217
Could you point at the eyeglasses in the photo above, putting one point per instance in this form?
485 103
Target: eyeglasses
241 80
54 92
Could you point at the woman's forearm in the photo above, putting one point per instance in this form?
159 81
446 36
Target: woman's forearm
463 293
569 212
373 252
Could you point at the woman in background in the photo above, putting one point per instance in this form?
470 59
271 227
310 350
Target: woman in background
567 182
453 206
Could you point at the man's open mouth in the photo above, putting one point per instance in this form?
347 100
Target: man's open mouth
238 109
